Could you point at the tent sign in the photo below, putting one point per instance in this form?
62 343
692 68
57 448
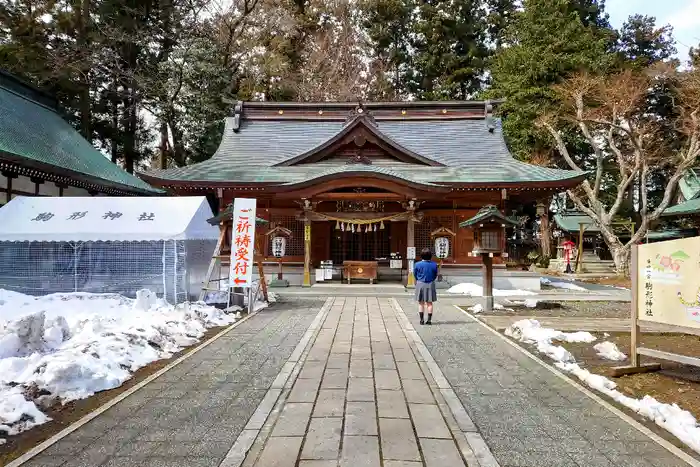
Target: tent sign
242 242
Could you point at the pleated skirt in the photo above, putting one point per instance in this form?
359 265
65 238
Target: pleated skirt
425 292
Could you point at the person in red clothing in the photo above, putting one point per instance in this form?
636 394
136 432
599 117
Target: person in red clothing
425 271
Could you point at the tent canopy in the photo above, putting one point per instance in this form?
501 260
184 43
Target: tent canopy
106 218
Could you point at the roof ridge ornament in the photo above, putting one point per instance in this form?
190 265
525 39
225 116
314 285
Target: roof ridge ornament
237 114
488 114
360 112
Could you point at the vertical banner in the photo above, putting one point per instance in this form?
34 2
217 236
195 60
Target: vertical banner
242 242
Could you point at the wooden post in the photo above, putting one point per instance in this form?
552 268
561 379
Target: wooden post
487 270
263 281
634 339
411 280
579 258
307 253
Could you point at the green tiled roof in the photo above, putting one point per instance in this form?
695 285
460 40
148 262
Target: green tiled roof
670 234
31 130
467 150
686 208
485 213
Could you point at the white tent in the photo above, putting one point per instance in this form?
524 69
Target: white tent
106 245
103 218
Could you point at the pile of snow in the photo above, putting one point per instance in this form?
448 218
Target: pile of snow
474 290
531 332
609 351
64 347
561 284
677 421
478 308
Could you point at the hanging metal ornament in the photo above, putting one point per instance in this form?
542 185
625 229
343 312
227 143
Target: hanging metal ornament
381 225
337 225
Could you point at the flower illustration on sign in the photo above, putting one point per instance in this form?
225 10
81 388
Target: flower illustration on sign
692 308
672 262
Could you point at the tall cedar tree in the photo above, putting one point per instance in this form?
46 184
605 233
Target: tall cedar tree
500 15
547 41
389 26
450 50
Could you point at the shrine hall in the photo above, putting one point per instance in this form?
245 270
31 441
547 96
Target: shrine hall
361 188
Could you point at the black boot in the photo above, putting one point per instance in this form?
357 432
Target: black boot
430 317
420 314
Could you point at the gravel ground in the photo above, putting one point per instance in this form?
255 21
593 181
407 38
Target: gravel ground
587 309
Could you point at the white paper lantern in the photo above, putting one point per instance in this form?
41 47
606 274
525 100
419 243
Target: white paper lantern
442 247
279 245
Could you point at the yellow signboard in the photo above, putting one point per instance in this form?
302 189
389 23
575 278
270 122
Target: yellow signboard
668 282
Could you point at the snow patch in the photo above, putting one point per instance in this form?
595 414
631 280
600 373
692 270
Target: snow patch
609 351
69 346
671 417
474 290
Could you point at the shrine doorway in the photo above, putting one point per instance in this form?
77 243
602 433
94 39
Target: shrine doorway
361 245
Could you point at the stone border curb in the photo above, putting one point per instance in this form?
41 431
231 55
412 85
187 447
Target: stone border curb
475 450
656 438
271 402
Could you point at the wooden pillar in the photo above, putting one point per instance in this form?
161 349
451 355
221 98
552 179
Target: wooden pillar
544 229
307 253
579 258
487 274
411 280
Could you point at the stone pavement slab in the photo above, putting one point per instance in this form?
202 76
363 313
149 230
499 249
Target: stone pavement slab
527 415
361 414
191 415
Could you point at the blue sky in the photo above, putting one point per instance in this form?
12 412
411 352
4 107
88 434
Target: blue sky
683 15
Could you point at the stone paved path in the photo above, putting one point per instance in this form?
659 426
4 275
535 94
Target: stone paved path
527 415
365 396
356 382
191 415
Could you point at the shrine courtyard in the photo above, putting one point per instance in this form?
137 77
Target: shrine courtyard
355 381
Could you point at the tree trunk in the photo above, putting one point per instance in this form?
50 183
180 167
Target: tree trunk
621 258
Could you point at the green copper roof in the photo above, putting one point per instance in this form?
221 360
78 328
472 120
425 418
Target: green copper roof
31 130
468 150
687 208
227 213
570 222
690 184
670 234
487 213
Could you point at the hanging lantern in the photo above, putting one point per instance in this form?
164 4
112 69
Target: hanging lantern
337 225
381 225
442 247
279 246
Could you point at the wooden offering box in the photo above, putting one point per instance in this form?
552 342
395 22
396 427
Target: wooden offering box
360 270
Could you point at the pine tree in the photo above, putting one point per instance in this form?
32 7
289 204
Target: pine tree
641 43
500 15
547 41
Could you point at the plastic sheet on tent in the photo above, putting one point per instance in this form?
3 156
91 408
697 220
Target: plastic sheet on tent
172 267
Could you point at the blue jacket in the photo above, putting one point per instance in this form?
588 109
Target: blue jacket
425 271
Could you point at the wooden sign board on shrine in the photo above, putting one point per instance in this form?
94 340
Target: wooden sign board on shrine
664 291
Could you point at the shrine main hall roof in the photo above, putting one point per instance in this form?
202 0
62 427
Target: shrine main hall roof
431 144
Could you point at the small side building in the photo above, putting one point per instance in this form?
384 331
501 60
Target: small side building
41 154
